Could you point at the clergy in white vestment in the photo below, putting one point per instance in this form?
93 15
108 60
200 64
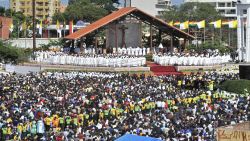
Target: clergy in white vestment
144 51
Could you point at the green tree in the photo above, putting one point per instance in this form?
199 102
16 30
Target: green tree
84 10
2 11
11 54
58 16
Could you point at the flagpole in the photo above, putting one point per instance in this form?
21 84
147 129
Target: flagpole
229 37
204 34
1 29
196 38
220 36
41 24
25 42
18 29
213 35
33 21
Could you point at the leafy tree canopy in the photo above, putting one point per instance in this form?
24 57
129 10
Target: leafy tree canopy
86 10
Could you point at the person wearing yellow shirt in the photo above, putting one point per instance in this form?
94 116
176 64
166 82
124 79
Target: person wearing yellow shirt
9 120
55 121
117 112
47 122
190 100
24 130
113 111
147 106
132 107
143 107
20 128
91 122
80 119
9 131
101 115
179 83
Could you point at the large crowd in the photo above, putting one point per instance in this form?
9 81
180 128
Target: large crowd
104 106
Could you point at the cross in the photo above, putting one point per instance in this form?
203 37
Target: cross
123 28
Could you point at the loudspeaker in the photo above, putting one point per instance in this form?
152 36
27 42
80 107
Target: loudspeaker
244 71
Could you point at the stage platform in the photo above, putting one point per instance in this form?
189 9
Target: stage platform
44 67
150 68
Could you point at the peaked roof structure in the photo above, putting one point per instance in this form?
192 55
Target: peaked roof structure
166 28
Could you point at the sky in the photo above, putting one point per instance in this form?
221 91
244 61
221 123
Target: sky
5 3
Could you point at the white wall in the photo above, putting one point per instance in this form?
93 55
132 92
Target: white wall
28 42
208 0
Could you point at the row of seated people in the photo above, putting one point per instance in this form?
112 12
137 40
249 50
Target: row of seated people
109 60
187 59
125 51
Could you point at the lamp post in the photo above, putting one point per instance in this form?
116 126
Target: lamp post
1 26
34 27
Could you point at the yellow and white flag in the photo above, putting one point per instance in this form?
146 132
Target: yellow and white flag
58 27
23 26
184 25
217 24
171 23
11 27
201 24
233 24
41 27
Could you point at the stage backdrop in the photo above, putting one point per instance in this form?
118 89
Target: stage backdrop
133 34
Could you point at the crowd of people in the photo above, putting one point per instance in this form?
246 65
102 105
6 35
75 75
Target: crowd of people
189 59
105 106
109 60
131 51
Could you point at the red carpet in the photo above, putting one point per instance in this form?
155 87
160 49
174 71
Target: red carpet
163 70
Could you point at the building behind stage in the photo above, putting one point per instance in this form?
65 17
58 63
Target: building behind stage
226 7
44 8
152 7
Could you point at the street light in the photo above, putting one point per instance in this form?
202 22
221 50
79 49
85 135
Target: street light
34 27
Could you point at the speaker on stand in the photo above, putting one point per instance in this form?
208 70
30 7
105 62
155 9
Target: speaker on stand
244 71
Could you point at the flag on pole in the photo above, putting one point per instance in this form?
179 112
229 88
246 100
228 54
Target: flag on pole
57 25
23 26
171 23
41 27
217 24
184 25
201 24
11 27
58 28
233 24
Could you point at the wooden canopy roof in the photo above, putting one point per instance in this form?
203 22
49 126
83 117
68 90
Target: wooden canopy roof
166 28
